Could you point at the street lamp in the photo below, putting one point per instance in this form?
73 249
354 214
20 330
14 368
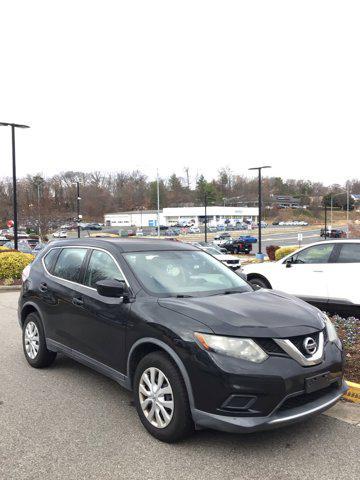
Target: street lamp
13 126
347 207
260 201
78 198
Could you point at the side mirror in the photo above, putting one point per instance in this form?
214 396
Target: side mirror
288 263
111 288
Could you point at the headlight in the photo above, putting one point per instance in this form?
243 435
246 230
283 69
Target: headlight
243 348
331 331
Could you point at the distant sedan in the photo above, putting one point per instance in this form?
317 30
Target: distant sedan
248 238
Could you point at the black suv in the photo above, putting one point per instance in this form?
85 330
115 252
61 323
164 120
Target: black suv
197 344
237 246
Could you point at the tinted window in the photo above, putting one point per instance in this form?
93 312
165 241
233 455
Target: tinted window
50 259
315 254
101 267
68 265
349 253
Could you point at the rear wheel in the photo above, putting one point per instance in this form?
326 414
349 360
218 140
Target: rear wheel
161 398
259 282
34 344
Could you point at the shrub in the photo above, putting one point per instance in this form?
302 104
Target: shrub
270 250
13 263
283 251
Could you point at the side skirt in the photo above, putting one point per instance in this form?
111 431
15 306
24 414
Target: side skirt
120 378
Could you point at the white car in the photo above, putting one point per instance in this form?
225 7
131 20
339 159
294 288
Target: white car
221 239
194 230
229 260
325 274
60 234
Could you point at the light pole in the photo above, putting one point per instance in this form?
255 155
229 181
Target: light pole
13 126
347 207
205 223
158 202
260 201
78 198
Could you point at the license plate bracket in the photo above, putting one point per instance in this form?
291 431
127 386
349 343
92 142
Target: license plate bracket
317 382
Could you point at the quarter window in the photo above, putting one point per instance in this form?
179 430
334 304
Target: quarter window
316 254
69 262
101 267
349 253
50 259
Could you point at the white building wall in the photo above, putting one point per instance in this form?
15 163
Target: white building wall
170 216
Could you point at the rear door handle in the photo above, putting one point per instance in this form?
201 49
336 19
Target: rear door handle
43 287
78 302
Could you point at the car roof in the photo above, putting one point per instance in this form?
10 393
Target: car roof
127 245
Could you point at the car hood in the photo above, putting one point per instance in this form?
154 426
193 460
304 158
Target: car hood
262 313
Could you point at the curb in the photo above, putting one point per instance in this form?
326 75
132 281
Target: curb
10 288
353 394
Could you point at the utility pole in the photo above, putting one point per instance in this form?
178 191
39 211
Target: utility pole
78 206
325 220
15 209
205 223
260 202
158 202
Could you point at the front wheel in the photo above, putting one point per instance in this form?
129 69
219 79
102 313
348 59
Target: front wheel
161 398
259 282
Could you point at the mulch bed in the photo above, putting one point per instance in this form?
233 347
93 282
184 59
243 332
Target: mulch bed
349 332
6 283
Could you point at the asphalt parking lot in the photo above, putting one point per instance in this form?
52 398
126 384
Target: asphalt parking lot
68 422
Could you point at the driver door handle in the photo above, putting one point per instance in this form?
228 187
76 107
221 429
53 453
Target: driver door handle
78 302
43 287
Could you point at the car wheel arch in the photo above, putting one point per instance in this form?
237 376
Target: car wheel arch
28 308
253 276
146 345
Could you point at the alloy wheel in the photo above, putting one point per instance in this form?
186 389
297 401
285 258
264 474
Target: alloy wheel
156 397
31 339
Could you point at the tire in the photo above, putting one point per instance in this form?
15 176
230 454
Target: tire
178 424
35 351
259 282
236 250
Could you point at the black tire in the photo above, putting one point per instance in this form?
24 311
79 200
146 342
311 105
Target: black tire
259 282
181 424
44 357
236 250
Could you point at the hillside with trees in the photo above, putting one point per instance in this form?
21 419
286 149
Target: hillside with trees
53 199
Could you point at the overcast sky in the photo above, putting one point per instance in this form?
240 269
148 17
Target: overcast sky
119 85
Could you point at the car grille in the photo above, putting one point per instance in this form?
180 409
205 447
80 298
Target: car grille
232 262
272 348
304 398
298 342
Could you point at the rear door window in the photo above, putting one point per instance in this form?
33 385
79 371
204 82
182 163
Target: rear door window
349 253
101 267
69 263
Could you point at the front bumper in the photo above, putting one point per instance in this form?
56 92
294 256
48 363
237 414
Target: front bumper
274 420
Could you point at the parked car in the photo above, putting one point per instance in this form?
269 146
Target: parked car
248 238
275 223
229 260
60 234
197 345
237 246
325 274
221 239
333 233
212 229
194 230
23 246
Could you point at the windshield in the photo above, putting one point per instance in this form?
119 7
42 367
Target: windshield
184 273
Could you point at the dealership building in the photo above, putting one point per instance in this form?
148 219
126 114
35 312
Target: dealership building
216 215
